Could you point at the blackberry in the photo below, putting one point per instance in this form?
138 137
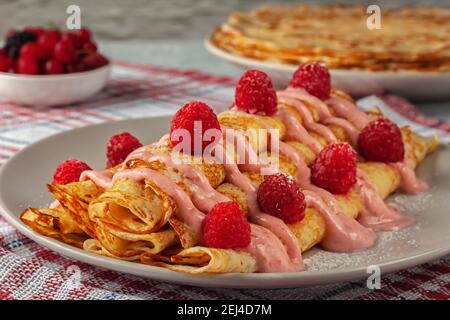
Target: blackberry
16 41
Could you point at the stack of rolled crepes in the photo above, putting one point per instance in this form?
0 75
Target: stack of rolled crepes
150 208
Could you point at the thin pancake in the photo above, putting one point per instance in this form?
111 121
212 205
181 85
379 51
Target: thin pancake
197 260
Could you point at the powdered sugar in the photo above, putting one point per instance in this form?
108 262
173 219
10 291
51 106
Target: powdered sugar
390 245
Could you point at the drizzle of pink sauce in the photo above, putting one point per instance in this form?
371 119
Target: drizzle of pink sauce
347 109
294 95
409 182
273 245
186 209
268 251
295 131
307 118
349 129
343 234
277 226
300 94
205 197
248 158
377 214
100 178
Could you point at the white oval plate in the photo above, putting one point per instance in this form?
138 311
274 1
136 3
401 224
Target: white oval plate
23 179
413 85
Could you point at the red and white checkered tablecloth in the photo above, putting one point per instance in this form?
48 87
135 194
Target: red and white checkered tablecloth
30 271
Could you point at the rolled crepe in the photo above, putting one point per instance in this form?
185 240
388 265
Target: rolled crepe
54 223
133 207
197 260
129 246
384 177
75 198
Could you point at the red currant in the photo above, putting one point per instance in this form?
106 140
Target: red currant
64 51
48 41
84 34
94 61
75 67
27 66
32 51
53 67
72 38
90 46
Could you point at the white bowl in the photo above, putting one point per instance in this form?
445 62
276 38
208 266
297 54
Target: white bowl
52 90
413 85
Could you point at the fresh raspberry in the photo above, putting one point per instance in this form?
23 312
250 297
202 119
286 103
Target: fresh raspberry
334 169
226 227
194 115
255 93
119 147
69 171
281 197
314 78
381 140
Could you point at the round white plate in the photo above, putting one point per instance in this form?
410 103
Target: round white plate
23 179
413 85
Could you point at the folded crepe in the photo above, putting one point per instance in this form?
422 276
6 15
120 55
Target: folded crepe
384 177
55 223
131 206
131 214
75 198
129 246
197 260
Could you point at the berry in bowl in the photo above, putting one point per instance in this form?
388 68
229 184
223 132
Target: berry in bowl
48 67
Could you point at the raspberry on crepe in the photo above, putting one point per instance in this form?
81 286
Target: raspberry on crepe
119 147
226 227
69 171
196 117
281 197
314 78
334 169
255 94
381 140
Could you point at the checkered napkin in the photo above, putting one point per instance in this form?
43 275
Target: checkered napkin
30 271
